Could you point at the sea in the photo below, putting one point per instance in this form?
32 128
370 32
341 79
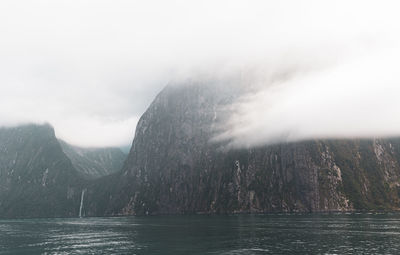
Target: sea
338 233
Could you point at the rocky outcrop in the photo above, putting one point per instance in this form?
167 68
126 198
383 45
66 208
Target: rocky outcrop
93 163
174 167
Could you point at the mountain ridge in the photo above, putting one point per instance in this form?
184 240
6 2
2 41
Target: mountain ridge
94 162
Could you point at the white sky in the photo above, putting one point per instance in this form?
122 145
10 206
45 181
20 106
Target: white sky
91 67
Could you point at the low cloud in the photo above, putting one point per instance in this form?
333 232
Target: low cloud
355 99
336 76
91 67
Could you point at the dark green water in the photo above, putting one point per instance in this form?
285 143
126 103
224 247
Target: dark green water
243 234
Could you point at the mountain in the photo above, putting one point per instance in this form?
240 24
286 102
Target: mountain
36 178
174 167
94 162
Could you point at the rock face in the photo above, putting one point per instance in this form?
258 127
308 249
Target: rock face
36 178
174 168
94 162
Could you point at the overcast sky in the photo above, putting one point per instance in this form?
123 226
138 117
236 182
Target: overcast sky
91 67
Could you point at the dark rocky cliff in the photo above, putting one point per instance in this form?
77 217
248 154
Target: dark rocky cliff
173 167
36 178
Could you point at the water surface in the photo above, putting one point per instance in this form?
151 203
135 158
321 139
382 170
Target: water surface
239 234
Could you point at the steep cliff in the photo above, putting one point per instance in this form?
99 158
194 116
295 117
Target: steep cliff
174 167
36 178
94 162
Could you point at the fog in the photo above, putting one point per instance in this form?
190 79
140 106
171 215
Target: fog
91 67
345 86
356 99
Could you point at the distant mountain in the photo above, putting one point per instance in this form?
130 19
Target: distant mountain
174 168
37 179
94 162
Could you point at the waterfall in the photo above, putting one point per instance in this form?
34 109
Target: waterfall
81 206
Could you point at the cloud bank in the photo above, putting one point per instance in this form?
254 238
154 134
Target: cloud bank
358 99
347 88
91 67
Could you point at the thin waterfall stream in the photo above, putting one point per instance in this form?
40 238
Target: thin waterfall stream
81 206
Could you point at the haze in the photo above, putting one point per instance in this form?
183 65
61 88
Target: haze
90 68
